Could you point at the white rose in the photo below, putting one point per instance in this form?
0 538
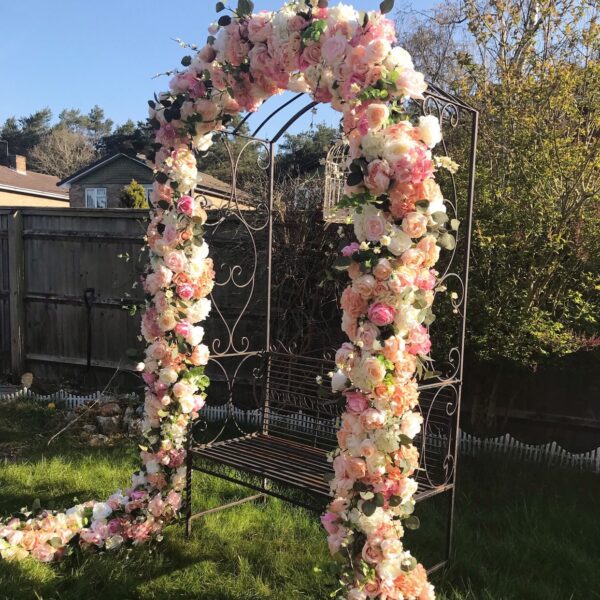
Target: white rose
113 542
187 404
152 467
399 241
203 141
389 570
411 424
101 510
167 375
399 60
195 336
429 130
198 311
373 145
338 381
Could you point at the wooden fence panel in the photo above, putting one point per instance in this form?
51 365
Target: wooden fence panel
75 287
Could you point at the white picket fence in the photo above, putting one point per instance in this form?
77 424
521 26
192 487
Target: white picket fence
551 454
60 398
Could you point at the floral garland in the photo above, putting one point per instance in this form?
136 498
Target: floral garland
346 58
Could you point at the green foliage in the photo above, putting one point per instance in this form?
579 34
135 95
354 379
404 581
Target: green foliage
134 196
300 154
534 75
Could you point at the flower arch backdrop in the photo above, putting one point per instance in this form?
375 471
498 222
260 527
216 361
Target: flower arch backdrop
347 59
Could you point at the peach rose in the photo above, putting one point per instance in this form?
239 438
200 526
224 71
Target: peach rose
414 224
377 115
353 303
382 269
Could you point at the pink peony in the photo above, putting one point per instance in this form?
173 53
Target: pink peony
378 180
418 340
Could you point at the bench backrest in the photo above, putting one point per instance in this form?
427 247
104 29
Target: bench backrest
296 406
299 408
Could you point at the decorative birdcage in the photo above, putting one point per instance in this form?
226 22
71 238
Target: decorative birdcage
336 171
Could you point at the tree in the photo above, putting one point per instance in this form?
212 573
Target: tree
532 69
130 138
134 196
301 154
26 132
97 124
61 152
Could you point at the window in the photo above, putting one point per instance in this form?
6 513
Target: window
148 189
95 197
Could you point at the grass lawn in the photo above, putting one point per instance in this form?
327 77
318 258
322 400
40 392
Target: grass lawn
522 532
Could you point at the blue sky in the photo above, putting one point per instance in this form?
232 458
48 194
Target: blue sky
74 54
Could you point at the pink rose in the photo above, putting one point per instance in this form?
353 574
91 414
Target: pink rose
156 506
414 224
411 83
183 329
185 291
343 354
334 48
375 369
185 205
350 249
368 334
356 468
371 552
43 553
378 180
425 280
176 261
381 314
312 54
356 402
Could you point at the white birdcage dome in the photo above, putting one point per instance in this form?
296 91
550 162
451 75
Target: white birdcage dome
336 171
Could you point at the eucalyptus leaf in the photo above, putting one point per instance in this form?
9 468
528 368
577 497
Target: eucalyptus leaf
379 499
245 8
355 178
440 217
186 61
369 507
386 6
412 522
447 241
220 6
224 20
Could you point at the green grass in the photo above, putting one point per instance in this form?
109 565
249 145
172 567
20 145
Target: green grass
522 532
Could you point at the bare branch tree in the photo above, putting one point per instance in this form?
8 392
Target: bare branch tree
62 152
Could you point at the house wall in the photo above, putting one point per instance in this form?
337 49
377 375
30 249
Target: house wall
12 199
114 177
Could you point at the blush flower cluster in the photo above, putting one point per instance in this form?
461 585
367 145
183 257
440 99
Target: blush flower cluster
348 59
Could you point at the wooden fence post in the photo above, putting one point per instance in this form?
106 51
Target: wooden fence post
16 273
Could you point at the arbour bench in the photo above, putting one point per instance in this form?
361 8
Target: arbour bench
289 449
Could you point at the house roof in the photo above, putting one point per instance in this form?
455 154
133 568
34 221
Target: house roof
206 183
31 183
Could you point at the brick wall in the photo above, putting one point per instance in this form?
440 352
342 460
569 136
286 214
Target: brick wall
113 193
